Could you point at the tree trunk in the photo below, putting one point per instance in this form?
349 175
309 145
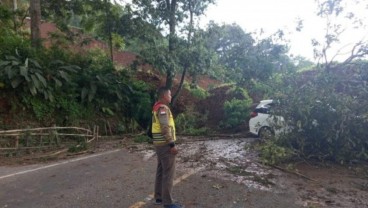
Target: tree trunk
189 37
109 33
171 9
15 7
35 12
177 93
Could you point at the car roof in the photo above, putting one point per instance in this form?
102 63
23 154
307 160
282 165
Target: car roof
263 103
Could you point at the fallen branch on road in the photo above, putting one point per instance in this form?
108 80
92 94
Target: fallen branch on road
293 172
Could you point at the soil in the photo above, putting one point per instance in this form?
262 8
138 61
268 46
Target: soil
234 160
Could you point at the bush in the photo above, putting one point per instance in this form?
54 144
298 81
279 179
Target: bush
271 153
78 148
43 111
141 139
236 112
12 43
141 104
191 123
327 113
197 91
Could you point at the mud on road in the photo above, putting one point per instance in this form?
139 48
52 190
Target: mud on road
224 161
235 159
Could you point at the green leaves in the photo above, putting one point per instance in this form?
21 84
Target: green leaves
326 111
16 82
237 109
27 73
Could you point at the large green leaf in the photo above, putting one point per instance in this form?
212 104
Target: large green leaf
35 63
11 58
51 96
58 83
92 92
26 63
32 89
64 75
15 63
16 82
10 72
35 81
48 95
42 79
4 63
24 72
71 68
84 93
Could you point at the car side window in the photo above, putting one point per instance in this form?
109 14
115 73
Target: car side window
262 110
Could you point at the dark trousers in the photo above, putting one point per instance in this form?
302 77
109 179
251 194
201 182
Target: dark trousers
165 174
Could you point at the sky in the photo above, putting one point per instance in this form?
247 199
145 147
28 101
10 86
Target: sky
271 15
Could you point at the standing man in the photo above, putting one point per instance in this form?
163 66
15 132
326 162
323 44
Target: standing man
163 134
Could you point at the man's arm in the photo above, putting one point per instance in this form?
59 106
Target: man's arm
166 131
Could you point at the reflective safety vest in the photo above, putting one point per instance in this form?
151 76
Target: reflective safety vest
157 136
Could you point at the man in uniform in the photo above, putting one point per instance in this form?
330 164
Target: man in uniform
163 134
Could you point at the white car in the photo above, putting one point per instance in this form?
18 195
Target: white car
262 123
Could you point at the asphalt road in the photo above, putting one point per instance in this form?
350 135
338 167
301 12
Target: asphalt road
123 179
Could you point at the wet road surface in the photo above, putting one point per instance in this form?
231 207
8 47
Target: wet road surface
210 174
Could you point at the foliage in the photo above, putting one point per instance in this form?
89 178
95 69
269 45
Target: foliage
242 57
5 17
141 104
72 86
78 148
11 43
238 109
63 111
231 44
141 139
261 89
196 91
199 93
272 154
239 93
326 112
236 112
340 16
170 13
26 74
43 111
194 56
65 12
11 19
69 111
191 123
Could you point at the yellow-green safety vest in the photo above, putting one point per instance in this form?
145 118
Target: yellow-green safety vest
158 138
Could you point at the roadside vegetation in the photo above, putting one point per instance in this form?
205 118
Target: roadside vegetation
58 83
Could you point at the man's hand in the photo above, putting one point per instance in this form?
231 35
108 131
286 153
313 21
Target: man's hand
173 150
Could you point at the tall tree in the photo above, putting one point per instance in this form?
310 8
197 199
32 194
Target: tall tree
100 17
169 13
192 53
242 57
337 13
35 12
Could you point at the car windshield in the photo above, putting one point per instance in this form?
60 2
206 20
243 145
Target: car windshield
264 108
